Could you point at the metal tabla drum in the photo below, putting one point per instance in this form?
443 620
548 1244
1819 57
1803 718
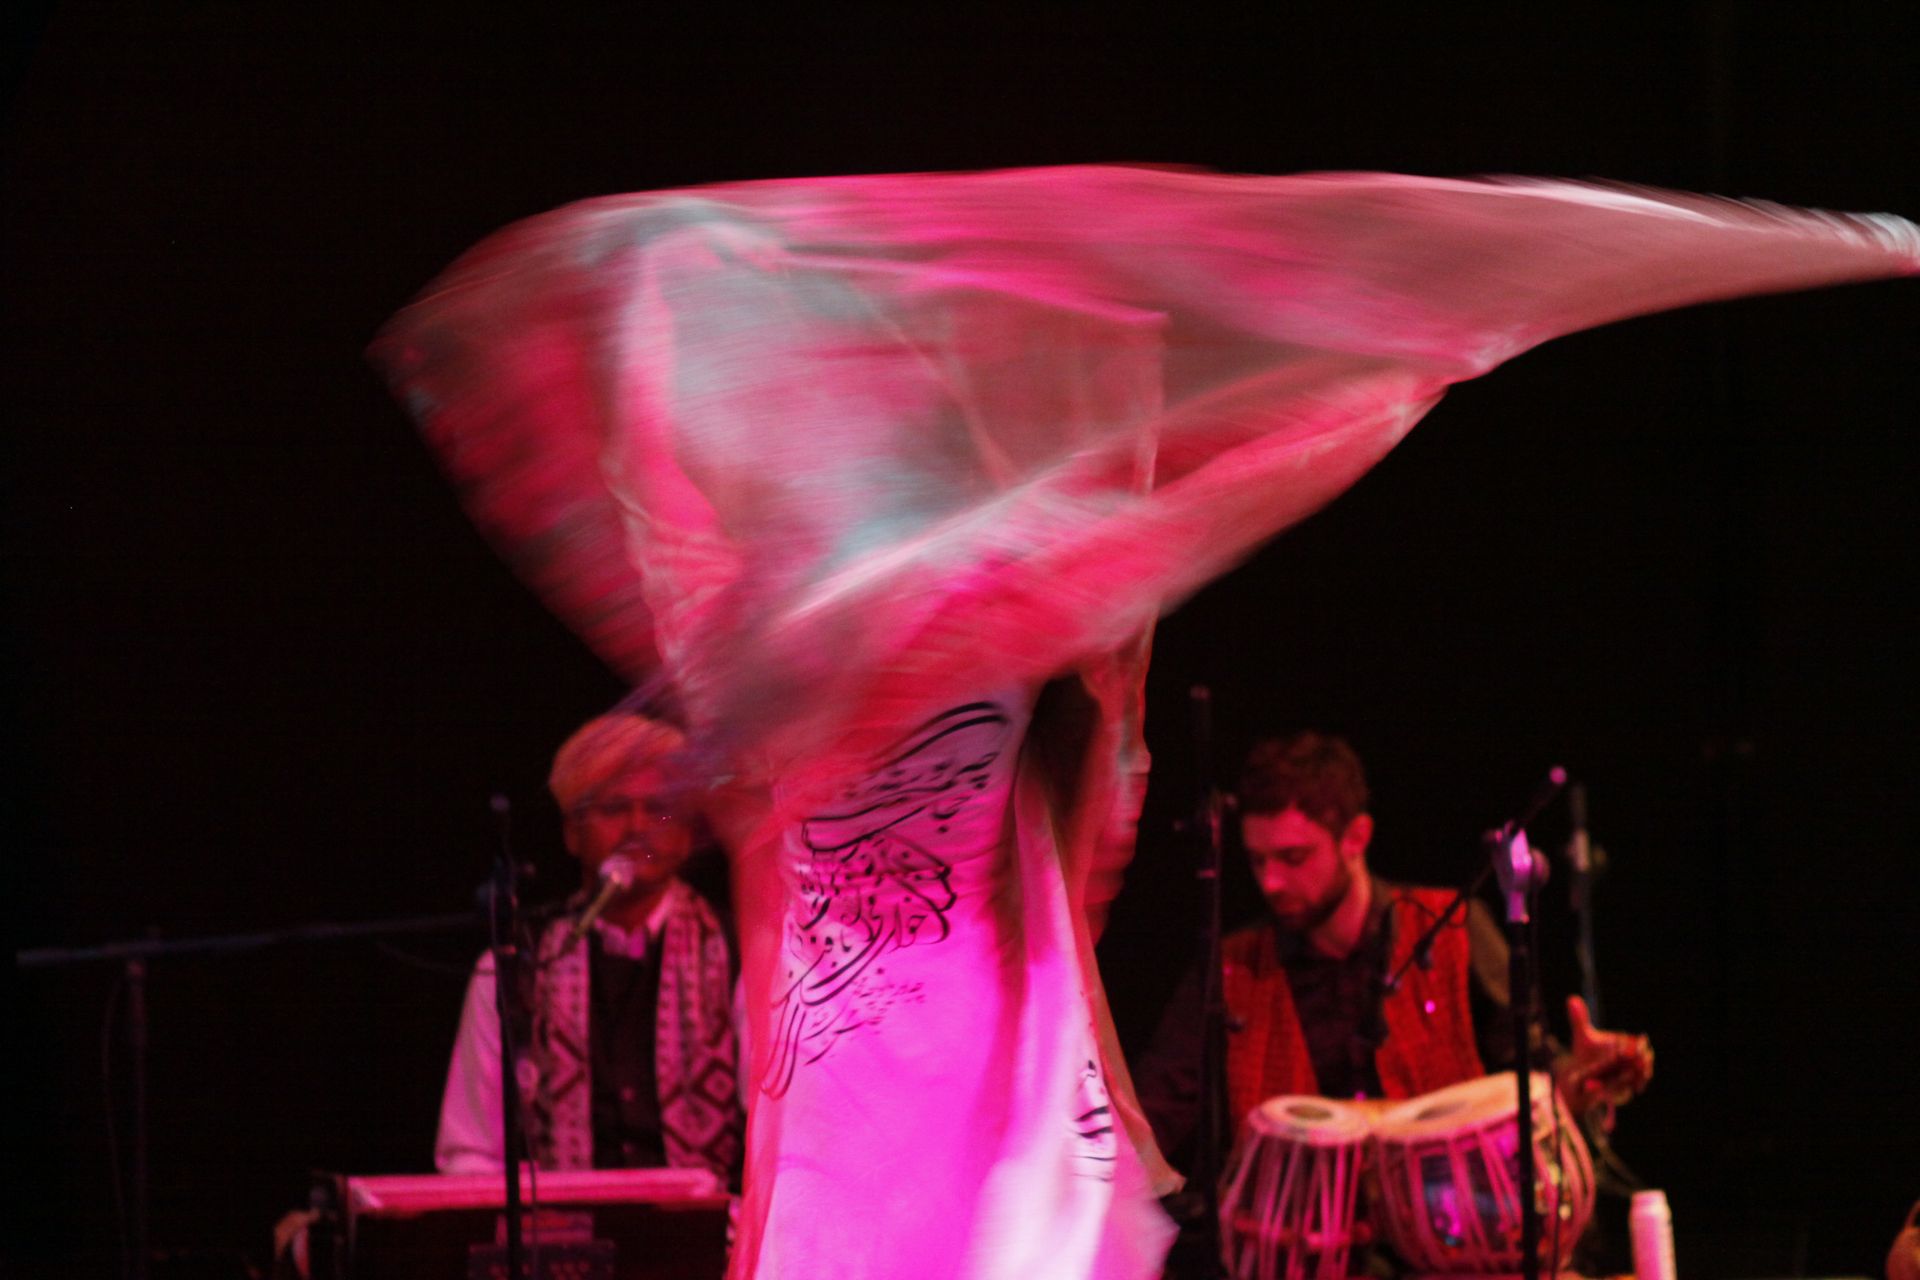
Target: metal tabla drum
1287 1210
1447 1169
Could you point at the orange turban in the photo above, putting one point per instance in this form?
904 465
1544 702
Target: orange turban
605 748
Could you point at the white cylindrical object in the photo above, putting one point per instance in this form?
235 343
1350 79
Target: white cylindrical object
1652 1226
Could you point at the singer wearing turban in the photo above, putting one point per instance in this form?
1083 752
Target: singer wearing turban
624 1038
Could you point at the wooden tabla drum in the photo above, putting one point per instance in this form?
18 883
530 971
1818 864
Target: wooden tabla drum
1447 1169
1287 1209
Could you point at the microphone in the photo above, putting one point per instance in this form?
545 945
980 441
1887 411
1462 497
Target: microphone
616 877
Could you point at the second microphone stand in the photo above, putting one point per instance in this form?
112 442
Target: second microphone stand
1520 872
504 920
1209 1148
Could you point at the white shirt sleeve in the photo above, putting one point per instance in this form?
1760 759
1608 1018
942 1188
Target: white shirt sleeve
469 1140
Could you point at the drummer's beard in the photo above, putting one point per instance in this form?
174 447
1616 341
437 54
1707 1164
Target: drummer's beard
1304 920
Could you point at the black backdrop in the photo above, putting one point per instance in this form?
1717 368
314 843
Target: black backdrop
260 671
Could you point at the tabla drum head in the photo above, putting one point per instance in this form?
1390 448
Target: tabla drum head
1318 1122
1466 1105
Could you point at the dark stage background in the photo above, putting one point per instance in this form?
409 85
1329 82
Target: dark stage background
260 671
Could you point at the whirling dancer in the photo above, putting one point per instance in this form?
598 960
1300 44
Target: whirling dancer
888 478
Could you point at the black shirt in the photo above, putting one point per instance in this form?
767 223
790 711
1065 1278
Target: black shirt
622 994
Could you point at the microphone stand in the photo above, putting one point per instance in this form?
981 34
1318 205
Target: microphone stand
504 923
1520 872
136 956
1422 953
1208 1153
1587 861
137 1028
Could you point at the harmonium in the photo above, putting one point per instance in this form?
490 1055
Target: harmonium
611 1224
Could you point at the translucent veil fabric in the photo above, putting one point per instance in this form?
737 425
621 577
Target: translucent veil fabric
818 450
821 454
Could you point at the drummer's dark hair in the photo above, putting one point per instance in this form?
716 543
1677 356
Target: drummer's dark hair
1315 773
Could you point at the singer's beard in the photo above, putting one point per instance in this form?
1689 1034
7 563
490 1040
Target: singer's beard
1311 917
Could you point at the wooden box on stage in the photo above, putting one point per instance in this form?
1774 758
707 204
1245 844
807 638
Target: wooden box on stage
613 1224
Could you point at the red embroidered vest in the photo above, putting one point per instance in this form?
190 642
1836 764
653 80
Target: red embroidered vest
1429 1019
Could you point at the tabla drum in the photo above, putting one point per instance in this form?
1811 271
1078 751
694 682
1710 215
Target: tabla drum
1287 1209
1447 1170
